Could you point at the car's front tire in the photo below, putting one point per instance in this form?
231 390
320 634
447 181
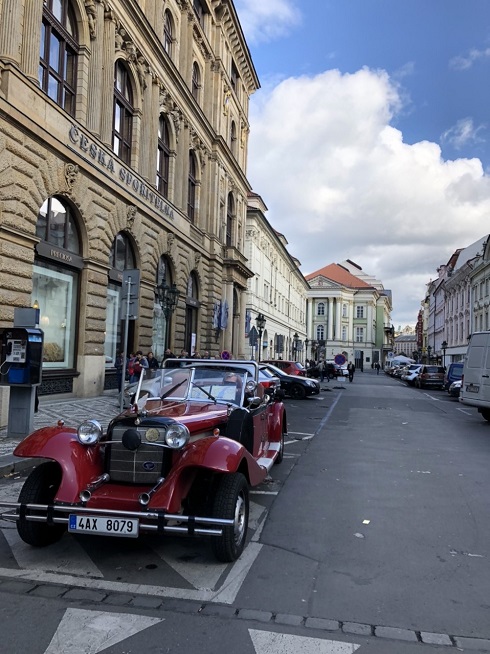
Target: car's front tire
232 503
485 414
40 487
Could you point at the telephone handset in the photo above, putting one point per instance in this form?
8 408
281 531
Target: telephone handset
16 350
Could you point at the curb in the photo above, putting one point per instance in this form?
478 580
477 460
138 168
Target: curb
11 465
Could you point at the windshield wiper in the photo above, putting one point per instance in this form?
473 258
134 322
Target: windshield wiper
211 397
174 388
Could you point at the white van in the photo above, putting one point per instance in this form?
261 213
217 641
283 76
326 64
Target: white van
475 386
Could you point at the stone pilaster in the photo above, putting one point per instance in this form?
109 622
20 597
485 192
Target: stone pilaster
10 31
33 15
95 74
107 80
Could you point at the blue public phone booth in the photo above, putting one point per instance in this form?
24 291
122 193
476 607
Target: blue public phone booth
21 356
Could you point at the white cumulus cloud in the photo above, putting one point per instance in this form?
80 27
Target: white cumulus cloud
462 133
340 182
267 20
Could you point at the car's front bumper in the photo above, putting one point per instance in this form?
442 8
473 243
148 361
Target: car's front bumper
150 521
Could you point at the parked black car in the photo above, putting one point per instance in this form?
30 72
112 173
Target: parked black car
293 385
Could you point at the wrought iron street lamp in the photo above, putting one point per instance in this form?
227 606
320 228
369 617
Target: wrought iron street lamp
260 322
168 296
295 345
307 342
444 348
429 350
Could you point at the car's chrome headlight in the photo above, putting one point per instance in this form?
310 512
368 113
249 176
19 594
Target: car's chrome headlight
177 436
89 432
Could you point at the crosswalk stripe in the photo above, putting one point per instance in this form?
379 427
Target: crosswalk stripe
269 642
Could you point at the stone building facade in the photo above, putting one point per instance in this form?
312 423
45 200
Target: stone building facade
349 313
123 146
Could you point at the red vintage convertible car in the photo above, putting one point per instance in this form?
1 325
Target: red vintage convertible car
177 462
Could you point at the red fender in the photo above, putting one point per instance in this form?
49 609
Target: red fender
276 421
80 464
218 454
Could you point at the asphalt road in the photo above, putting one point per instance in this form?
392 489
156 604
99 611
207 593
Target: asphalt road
371 536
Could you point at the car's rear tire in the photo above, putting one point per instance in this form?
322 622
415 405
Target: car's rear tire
485 414
231 502
40 487
298 392
280 454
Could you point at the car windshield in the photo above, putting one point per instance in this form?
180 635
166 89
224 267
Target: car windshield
275 370
197 381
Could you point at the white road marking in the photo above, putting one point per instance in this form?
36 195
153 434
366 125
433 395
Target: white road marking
300 433
268 642
89 632
431 397
263 492
468 413
65 556
202 574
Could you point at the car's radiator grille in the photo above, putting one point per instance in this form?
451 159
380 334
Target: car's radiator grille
142 466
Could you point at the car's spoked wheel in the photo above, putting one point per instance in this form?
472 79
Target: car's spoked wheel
231 502
298 392
40 487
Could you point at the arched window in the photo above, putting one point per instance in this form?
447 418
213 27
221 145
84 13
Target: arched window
320 310
344 333
191 188
123 113
55 283
196 80
163 157
168 31
320 333
233 138
230 212
59 54
56 225
122 256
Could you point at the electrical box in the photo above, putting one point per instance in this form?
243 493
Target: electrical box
21 356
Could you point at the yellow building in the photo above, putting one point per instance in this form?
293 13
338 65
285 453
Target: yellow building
123 145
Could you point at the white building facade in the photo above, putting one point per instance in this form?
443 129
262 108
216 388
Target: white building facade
278 291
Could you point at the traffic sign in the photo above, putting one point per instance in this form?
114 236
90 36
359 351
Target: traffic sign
225 355
340 359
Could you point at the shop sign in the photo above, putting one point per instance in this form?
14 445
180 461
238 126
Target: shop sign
123 176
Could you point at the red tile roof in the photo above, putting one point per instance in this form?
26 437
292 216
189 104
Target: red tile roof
340 275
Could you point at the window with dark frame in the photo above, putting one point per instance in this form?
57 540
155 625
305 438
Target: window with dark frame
163 157
199 11
122 256
230 211
58 55
56 225
233 138
168 30
196 80
191 188
123 114
234 77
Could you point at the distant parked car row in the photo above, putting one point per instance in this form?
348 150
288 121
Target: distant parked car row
430 376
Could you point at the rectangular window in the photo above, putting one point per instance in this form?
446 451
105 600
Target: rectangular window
359 334
55 291
360 312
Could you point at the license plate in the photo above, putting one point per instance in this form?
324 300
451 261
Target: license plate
98 525
472 389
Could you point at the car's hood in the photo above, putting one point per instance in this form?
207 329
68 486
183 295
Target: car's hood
196 415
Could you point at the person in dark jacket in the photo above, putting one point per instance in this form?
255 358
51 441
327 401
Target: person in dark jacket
350 369
152 361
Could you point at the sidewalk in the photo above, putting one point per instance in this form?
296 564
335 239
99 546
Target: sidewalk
73 411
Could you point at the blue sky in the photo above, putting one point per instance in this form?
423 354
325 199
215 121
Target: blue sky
372 131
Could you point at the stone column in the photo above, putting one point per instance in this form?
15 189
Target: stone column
33 16
10 31
228 332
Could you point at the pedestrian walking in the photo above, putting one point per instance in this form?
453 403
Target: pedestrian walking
350 369
152 361
377 366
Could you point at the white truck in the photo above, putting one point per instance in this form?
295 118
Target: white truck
475 384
